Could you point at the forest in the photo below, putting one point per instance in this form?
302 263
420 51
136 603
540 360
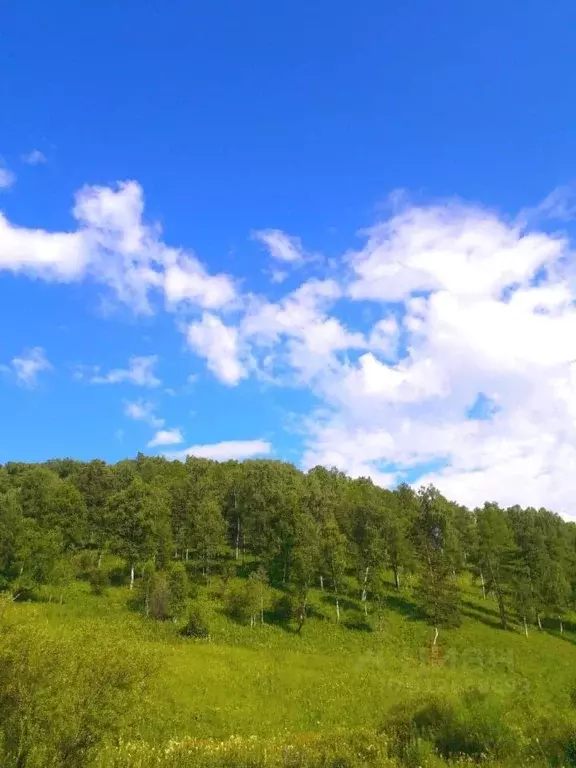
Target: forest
103 568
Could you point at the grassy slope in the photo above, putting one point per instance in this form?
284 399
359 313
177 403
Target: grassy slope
269 681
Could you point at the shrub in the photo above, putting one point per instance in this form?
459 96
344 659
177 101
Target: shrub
197 624
473 727
118 576
243 602
159 600
179 589
99 580
60 699
283 608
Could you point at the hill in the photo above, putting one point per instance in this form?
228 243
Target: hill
161 614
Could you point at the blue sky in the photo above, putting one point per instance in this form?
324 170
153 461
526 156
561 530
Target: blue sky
324 232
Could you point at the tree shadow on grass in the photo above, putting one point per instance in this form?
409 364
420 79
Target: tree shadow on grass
404 607
482 613
484 609
493 623
346 603
358 624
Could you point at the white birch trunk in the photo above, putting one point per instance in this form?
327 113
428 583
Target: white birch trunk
525 626
237 533
132 577
365 584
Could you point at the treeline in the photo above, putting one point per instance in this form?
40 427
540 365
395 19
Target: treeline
297 531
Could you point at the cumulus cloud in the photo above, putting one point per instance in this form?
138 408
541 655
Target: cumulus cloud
28 366
441 306
224 451
140 372
113 245
219 345
486 307
298 333
166 437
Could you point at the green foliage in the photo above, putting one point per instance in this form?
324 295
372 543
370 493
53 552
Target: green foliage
197 622
179 589
435 543
61 699
99 580
290 552
472 727
245 602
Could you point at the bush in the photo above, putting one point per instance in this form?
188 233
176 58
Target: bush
60 699
118 576
243 602
179 589
197 624
159 600
284 606
99 580
86 562
473 727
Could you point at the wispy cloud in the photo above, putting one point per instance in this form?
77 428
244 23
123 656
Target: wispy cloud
140 373
7 179
34 157
232 449
28 366
281 246
143 410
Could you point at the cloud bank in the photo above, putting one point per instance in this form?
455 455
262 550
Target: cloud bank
442 349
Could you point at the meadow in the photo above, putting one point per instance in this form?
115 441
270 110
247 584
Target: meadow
334 694
158 614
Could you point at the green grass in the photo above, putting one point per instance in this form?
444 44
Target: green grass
269 682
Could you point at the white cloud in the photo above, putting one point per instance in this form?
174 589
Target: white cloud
219 344
7 178
166 437
60 256
34 157
494 313
29 365
224 451
140 372
460 249
115 247
442 304
142 410
185 280
281 246
298 330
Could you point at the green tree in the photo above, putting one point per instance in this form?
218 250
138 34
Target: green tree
496 555
437 588
334 558
305 563
138 514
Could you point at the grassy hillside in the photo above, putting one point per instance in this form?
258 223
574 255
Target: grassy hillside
258 696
